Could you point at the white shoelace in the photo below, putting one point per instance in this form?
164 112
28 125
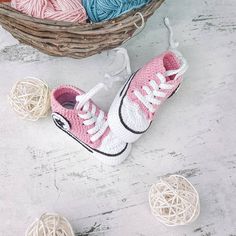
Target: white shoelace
152 97
89 115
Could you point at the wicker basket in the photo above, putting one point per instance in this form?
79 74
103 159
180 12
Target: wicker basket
73 39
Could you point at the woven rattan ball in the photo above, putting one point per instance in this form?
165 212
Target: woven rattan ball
30 98
50 224
174 201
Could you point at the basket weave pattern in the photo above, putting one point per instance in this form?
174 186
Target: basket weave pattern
72 39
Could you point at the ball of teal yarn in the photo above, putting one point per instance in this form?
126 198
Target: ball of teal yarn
100 10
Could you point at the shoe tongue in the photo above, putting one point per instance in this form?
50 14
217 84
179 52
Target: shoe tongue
154 67
161 68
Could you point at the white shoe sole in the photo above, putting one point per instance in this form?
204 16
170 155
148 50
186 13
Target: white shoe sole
113 160
105 158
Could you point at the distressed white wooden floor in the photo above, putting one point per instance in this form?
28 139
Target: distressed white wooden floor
194 134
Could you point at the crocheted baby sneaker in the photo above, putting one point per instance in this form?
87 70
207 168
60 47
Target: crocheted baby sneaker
133 109
76 114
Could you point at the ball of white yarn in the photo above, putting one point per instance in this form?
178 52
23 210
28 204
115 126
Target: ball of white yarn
50 224
30 98
174 201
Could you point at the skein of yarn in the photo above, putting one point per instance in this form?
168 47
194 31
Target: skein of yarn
100 10
50 224
60 10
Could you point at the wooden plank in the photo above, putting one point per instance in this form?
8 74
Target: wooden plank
194 135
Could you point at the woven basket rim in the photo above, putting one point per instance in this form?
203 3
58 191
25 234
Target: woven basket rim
77 40
86 26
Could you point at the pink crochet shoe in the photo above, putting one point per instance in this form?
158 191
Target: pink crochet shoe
75 113
133 109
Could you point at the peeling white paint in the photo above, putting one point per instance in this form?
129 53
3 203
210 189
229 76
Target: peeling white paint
41 169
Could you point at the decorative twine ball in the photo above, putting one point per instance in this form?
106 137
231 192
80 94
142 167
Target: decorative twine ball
50 224
30 98
174 201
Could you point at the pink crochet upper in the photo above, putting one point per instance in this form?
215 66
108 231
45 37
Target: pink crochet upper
67 94
161 64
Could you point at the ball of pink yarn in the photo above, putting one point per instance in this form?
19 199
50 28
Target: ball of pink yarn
60 10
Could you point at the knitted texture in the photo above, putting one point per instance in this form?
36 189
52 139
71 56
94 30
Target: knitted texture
133 109
60 10
67 94
100 10
78 123
160 64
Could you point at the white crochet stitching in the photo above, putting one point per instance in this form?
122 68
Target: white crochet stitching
151 97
